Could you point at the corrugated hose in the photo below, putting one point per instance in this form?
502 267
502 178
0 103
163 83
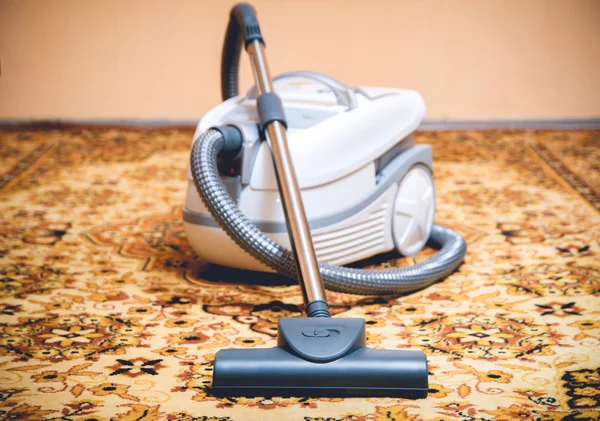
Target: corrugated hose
451 246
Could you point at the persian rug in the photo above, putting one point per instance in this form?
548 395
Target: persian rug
107 314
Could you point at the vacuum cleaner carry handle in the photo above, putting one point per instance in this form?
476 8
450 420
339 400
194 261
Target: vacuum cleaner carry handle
243 28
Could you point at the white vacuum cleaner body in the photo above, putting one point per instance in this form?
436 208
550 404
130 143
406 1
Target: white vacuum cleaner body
366 187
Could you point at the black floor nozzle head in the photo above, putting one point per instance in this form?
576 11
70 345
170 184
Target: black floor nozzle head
320 358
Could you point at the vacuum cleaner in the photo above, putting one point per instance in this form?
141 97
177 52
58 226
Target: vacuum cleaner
298 176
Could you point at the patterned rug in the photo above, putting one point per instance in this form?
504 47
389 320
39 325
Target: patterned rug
107 314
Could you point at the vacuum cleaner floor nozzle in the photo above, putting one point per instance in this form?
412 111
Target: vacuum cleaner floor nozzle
320 358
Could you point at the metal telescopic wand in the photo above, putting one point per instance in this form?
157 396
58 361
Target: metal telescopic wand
298 229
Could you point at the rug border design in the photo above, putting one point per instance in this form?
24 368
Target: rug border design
574 181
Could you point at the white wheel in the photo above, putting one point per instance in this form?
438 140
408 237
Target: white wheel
414 209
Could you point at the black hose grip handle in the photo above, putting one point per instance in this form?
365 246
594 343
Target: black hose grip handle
243 28
245 16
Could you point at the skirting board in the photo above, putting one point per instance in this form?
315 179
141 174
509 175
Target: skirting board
542 124
433 124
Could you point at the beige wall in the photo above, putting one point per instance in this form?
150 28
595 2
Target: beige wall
471 59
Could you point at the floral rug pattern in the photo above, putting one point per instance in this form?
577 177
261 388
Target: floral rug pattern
107 314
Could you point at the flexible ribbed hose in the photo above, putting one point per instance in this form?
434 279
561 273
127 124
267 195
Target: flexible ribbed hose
452 247
230 60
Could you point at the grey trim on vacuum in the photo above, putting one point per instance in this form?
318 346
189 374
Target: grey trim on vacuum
419 154
206 220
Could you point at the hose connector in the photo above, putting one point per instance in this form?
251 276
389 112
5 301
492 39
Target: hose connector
232 140
318 308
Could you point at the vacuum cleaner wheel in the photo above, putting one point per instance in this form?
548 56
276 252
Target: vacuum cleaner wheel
414 209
